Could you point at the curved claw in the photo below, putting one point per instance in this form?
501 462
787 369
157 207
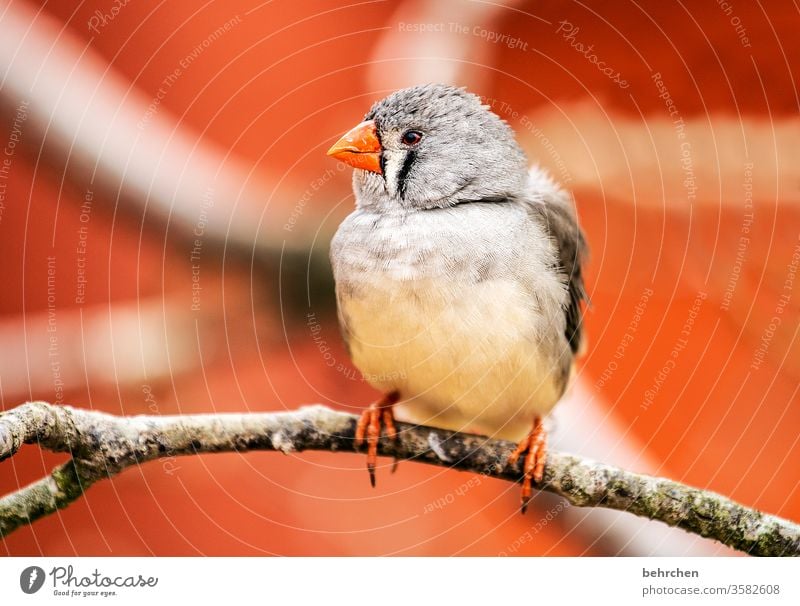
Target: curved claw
534 447
369 429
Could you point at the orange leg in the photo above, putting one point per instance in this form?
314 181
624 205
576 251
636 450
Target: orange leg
369 428
534 447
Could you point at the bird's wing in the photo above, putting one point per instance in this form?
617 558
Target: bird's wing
555 211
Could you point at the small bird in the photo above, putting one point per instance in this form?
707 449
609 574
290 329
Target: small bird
458 275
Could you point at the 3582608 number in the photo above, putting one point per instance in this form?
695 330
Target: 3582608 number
745 589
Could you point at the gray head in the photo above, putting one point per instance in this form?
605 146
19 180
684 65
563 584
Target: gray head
432 146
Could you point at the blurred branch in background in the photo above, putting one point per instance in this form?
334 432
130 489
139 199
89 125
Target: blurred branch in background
88 115
90 344
442 57
103 445
93 126
582 424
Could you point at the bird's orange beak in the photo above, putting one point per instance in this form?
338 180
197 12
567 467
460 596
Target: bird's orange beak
359 148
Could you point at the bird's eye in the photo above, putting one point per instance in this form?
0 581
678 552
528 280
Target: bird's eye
412 137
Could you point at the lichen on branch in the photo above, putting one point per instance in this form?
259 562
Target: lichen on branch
102 445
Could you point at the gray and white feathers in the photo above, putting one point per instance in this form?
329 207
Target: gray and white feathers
465 153
458 276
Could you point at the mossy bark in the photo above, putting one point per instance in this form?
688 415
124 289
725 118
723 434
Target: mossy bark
102 445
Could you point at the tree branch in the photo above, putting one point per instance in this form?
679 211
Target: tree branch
102 445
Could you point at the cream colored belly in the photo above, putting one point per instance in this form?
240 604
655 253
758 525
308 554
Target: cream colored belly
472 359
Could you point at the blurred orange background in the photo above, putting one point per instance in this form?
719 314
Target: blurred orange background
166 207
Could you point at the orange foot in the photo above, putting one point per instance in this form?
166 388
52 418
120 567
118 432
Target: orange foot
534 446
369 426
